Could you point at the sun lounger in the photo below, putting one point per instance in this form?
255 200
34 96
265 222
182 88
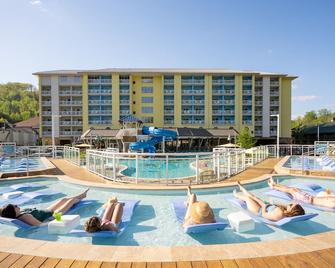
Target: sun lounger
242 205
29 196
180 211
128 210
308 187
19 187
21 224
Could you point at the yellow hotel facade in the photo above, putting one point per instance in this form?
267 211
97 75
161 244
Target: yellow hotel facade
72 101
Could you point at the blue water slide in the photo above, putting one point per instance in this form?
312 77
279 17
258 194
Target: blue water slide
157 136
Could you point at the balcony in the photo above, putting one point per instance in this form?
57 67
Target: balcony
258 133
99 81
100 122
125 102
223 122
274 93
247 82
229 82
46 93
274 112
218 92
217 82
193 102
273 123
247 102
77 93
168 112
169 102
274 83
70 103
70 133
247 112
193 81
46 133
64 93
258 93
95 112
100 91
46 113
259 103
273 133
168 91
70 112
124 91
168 81
247 92
124 112
46 123
124 81
258 123
100 102
168 122
221 112
247 122
46 103
259 83
274 103
260 113
192 92
193 112
71 123
193 122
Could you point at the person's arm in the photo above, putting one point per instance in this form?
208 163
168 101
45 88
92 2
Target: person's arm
30 219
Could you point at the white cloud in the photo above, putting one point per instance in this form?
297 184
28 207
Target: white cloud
305 98
35 2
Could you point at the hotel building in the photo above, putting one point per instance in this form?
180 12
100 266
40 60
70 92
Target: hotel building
209 98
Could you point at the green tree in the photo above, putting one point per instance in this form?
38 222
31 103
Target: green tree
244 139
18 101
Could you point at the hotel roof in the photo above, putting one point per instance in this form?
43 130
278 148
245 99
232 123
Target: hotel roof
151 71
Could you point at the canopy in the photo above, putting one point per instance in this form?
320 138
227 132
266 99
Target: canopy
83 145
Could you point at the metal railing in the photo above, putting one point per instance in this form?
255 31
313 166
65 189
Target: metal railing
72 155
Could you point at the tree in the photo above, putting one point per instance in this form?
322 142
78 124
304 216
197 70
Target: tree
244 139
18 101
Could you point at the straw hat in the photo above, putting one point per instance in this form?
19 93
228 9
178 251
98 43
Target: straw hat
201 213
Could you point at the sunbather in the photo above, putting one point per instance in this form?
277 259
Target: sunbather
110 220
36 217
271 212
327 200
198 212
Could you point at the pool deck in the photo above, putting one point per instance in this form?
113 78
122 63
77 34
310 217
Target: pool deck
70 171
317 259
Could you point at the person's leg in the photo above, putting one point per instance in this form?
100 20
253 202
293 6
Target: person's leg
191 198
280 187
252 205
109 211
324 201
67 205
60 203
117 214
259 201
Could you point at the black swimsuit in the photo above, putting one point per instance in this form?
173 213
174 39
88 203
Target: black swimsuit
39 214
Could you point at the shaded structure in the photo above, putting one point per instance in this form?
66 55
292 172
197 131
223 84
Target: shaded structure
188 139
322 132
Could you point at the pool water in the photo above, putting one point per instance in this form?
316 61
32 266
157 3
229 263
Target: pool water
19 164
156 168
154 222
310 163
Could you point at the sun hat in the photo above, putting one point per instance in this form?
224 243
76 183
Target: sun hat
201 213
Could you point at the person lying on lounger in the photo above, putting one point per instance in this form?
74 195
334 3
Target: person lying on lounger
327 200
271 212
110 220
198 212
36 217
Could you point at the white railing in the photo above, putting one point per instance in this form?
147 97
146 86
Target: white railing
72 155
154 168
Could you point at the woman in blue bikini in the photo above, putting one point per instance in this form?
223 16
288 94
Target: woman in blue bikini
272 212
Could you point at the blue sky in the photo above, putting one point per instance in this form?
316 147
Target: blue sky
288 36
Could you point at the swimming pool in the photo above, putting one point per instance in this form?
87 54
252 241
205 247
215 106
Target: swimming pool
154 222
310 163
8 165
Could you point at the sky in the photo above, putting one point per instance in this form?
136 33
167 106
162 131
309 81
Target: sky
288 36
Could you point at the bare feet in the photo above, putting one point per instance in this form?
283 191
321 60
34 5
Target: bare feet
189 190
83 195
271 183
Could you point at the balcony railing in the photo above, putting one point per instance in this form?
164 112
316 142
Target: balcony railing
274 93
64 93
247 122
72 103
46 93
100 101
124 81
169 102
70 133
258 93
169 122
258 112
247 92
247 82
193 81
273 133
273 123
259 103
46 123
168 91
46 103
229 82
195 112
46 133
247 112
193 92
220 112
100 122
274 103
71 123
193 122
168 81
247 102
70 112
99 91
91 112
258 83
124 101
258 133
168 112
274 83
217 82
274 112
124 91
258 123
223 122
99 81
124 112
193 102
46 113
223 92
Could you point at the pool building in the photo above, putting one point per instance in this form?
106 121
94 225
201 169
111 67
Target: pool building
170 98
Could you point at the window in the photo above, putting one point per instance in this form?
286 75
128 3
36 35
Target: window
147 99
148 119
147 110
147 90
147 79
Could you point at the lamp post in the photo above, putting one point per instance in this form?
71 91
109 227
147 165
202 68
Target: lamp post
278 131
